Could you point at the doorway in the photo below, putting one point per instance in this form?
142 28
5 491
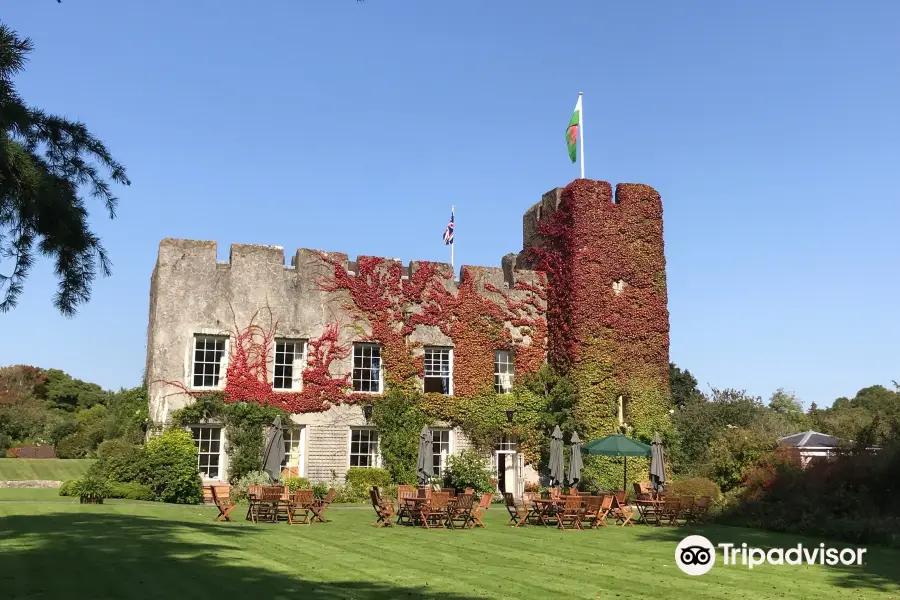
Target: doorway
509 466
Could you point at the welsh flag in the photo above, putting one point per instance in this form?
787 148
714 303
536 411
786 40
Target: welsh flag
573 131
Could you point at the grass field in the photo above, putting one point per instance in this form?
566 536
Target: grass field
144 550
56 469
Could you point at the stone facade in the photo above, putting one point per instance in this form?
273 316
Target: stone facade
192 294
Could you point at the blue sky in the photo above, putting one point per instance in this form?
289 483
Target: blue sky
770 129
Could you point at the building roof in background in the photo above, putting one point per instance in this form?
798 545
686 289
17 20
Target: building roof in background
811 439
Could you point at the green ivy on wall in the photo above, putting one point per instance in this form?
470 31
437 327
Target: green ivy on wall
246 423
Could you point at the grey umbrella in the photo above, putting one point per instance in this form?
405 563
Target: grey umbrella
657 463
575 462
557 461
274 454
424 462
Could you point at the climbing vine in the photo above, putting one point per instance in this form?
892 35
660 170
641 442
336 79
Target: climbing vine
246 423
479 318
607 315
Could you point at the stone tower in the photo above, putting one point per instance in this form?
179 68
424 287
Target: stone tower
607 303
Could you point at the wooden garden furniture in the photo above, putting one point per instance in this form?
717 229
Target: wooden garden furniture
518 513
451 492
268 504
404 508
221 496
254 493
701 509
591 514
383 508
320 505
570 513
300 506
460 512
670 510
621 511
479 510
436 510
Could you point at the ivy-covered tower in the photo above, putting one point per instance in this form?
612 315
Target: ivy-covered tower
607 314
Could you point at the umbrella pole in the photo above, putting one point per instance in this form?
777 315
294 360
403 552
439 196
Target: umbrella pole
625 475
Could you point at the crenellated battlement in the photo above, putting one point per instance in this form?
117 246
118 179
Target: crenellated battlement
202 255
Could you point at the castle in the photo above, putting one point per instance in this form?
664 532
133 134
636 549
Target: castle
324 337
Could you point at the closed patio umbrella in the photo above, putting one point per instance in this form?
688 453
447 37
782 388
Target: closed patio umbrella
575 462
557 460
617 445
274 454
657 463
424 461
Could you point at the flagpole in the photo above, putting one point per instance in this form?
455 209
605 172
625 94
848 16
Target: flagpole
453 241
581 132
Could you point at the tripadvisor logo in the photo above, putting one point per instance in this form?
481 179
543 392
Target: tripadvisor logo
696 555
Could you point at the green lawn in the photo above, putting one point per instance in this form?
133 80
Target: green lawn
56 469
143 550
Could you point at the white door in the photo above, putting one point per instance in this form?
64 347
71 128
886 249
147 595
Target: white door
520 475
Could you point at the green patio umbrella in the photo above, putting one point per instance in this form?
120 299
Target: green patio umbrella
617 445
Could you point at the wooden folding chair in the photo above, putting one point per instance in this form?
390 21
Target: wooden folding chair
221 495
383 508
570 513
254 493
460 513
518 514
300 504
479 510
436 510
621 511
591 511
701 509
319 506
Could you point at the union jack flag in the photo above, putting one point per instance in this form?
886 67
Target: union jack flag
448 233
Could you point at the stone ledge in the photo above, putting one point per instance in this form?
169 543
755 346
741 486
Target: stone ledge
32 483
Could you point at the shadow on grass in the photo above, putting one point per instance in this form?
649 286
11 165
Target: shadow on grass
880 569
91 555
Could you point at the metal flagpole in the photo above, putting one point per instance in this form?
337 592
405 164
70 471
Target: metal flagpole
581 132
453 241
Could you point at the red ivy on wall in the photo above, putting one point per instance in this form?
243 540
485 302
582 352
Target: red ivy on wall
475 322
589 243
247 380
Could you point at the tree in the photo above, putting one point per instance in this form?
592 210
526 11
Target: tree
47 165
684 386
789 409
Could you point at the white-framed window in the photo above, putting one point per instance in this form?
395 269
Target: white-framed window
208 361
439 370
364 447
367 372
290 360
504 371
508 443
208 440
294 450
441 448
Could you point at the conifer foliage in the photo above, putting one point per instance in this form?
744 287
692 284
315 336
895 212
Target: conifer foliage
49 166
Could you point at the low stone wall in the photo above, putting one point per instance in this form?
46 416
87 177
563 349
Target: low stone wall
34 483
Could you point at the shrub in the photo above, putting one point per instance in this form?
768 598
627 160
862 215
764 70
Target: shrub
296 483
320 490
832 498
68 487
468 469
732 451
171 470
130 491
695 486
121 461
239 489
364 478
91 487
